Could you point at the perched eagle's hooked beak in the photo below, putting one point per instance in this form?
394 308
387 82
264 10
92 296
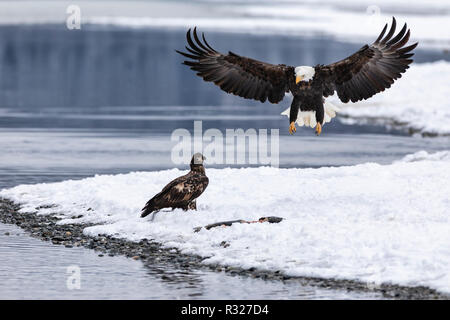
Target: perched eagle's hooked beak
298 79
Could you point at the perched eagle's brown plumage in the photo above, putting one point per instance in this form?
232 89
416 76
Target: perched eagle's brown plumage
181 192
370 70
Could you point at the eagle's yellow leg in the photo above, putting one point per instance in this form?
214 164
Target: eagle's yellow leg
292 128
318 128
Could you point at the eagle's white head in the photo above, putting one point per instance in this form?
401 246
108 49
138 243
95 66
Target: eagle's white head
304 73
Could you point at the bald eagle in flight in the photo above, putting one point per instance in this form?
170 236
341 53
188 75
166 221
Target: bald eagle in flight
181 192
370 70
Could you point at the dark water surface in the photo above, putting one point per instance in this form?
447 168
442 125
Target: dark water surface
105 100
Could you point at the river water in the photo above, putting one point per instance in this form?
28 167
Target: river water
105 100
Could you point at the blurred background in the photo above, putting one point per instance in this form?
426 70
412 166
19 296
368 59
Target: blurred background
105 98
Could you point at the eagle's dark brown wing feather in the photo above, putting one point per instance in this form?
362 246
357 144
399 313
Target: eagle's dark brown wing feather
177 193
371 69
241 76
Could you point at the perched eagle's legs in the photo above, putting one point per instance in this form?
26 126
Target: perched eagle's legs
318 128
292 128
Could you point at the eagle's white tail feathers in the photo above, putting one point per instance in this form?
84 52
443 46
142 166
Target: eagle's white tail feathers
308 118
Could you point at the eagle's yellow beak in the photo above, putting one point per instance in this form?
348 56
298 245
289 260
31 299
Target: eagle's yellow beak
298 79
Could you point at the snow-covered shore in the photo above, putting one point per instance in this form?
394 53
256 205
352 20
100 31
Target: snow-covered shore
419 101
348 21
369 222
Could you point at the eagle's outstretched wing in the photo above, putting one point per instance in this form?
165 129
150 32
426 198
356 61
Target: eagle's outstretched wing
371 69
241 76
177 193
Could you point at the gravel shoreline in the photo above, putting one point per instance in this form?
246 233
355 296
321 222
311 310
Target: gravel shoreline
149 252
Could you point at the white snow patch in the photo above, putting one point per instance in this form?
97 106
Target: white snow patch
423 155
418 100
370 222
353 21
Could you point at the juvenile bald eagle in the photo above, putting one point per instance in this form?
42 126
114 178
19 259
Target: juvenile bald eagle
181 192
370 70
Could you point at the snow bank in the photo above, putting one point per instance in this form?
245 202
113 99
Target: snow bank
423 155
346 20
370 222
419 100
354 21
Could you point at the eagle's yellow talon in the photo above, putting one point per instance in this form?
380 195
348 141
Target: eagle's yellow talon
292 128
318 128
